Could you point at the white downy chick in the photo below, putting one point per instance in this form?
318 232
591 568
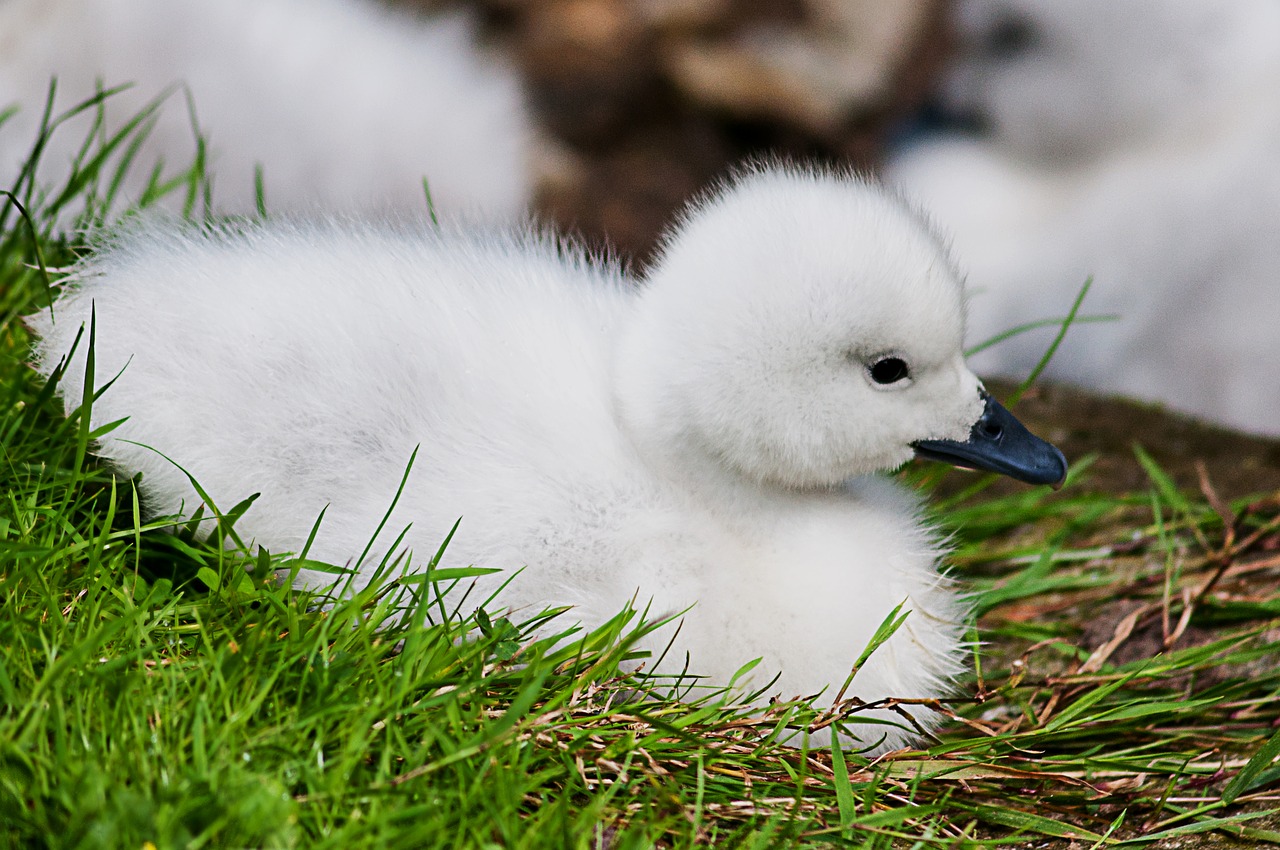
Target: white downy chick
705 437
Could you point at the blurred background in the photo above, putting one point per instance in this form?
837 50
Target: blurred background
632 105
647 101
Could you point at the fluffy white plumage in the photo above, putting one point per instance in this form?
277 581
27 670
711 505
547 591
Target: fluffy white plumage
346 105
705 437
1137 142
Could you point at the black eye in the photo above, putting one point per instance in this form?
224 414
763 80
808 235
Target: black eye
889 370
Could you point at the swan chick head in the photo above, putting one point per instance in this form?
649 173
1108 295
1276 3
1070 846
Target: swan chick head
800 328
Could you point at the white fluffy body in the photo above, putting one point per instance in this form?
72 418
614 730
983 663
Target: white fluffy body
1139 143
345 104
705 437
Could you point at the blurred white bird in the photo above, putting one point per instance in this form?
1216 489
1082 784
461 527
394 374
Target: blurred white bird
346 105
1136 142
705 437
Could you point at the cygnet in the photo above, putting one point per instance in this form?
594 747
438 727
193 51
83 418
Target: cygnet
705 438
1137 143
345 104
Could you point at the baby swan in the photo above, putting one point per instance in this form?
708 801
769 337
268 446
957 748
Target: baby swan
704 437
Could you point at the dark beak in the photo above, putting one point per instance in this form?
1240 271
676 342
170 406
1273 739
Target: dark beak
1000 443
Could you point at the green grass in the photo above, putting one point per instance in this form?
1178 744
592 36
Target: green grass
159 690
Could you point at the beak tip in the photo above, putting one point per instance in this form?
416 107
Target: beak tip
1062 469
1051 470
